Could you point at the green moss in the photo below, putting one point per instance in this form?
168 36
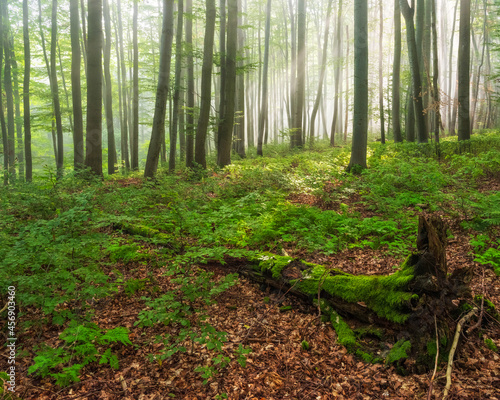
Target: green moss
398 351
344 332
285 308
369 331
488 305
386 295
367 357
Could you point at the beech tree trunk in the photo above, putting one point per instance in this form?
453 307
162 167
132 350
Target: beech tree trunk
396 67
226 125
206 85
26 94
190 86
158 131
93 158
463 72
264 106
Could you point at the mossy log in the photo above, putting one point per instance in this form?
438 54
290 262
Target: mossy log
407 304
404 308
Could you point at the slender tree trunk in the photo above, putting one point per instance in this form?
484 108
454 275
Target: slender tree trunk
55 91
93 158
360 117
293 73
76 93
240 94
11 138
380 75
26 94
190 86
264 106
435 76
112 161
125 122
177 85
415 71
134 162
301 75
226 125
65 88
337 76
17 113
396 67
222 49
478 77
206 81
322 70
451 100
463 71
158 131
5 138
347 85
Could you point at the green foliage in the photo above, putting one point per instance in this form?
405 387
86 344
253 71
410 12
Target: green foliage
83 344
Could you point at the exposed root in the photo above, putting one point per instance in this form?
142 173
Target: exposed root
460 324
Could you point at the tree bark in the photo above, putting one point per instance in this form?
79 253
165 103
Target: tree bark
112 159
338 58
76 92
297 130
413 54
239 129
463 71
134 142
190 86
226 125
264 106
26 94
55 91
380 75
206 84
360 117
158 130
435 75
11 138
451 107
319 93
93 158
396 69
177 86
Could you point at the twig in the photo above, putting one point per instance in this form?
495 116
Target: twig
461 322
4 308
429 395
479 320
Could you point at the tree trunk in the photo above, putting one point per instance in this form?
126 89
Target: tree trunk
415 70
190 85
463 71
93 158
264 106
26 94
112 161
319 94
76 92
360 117
435 76
380 76
55 91
478 75
347 85
297 130
338 57
239 137
5 138
11 138
134 142
177 86
226 125
396 67
158 130
451 101
124 134
410 116
222 47
206 83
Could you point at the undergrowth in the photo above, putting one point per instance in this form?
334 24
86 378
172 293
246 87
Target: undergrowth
59 237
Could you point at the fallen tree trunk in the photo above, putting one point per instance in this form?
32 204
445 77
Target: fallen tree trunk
392 318
401 308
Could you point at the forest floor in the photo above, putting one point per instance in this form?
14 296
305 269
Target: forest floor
279 365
